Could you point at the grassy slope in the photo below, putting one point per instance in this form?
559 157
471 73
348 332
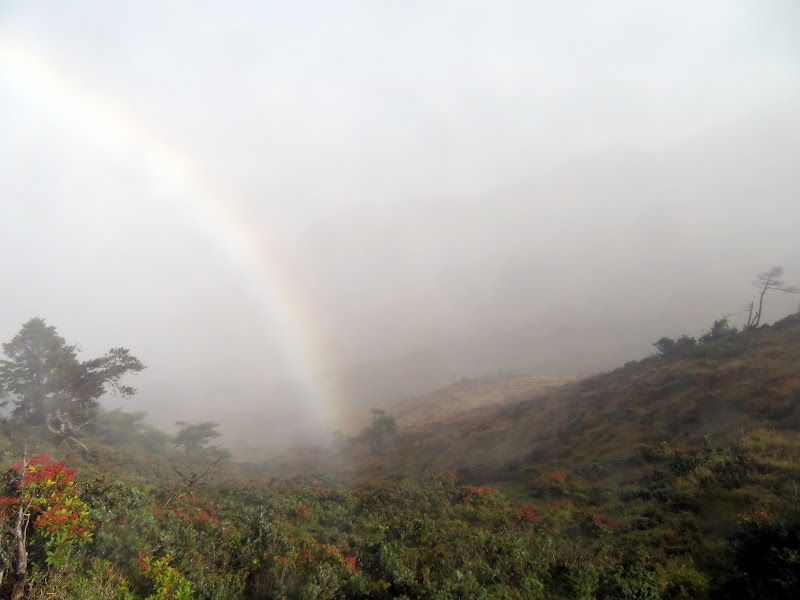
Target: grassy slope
422 416
749 382
470 398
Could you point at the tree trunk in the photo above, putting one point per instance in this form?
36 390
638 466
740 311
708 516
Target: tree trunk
18 591
19 554
20 560
760 305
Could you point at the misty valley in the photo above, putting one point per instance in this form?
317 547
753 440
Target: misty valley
674 476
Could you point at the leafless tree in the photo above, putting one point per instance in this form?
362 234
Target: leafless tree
190 481
766 282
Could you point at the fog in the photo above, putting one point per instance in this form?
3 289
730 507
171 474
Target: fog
289 209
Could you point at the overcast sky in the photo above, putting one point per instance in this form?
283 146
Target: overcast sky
445 188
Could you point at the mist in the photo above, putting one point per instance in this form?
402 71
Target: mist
448 190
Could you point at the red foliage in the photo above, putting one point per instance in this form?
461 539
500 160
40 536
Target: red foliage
46 488
8 502
57 517
528 513
351 561
595 520
601 521
197 511
476 491
301 511
553 477
41 469
304 553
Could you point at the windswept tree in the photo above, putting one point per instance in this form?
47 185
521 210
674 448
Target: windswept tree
194 437
47 385
200 461
768 281
120 428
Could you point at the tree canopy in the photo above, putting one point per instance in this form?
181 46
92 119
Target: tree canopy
768 281
382 425
47 385
194 437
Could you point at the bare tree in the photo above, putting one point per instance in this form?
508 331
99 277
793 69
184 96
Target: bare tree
189 483
766 282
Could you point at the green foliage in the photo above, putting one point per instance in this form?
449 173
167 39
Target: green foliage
57 518
48 385
669 348
439 537
667 479
767 560
720 330
194 437
168 583
100 581
126 430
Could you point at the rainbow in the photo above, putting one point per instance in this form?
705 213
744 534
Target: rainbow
209 206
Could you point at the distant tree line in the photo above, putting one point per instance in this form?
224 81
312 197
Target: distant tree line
768 281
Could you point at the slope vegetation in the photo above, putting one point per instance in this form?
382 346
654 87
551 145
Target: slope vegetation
671 478
715 394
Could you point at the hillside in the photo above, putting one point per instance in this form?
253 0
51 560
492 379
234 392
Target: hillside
674 477
714 395
506 427
677 474
464 401
470 399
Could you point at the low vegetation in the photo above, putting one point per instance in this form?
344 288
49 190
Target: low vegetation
672 477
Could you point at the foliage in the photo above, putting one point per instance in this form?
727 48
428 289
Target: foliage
42 517
123 429
57 515
441 537
168 583
767 560
671 478
680 347
47 384
720 330
194 437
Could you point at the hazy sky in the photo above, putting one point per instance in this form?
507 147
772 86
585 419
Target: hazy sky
429 189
